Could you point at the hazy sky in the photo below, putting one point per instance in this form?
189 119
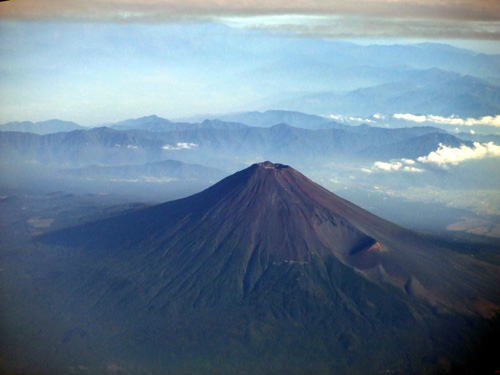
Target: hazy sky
95 61
469 19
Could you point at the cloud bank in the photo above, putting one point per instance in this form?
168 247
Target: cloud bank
452 120
351 119
447 155
404 165
462 19
441 158
180 146
478 10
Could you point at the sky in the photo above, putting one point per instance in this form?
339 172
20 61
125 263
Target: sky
98 61
458 19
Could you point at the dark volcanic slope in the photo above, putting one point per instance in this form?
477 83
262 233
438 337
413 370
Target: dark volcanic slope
266 272
270 214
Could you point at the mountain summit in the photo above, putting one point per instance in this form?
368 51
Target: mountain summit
270 214
266 264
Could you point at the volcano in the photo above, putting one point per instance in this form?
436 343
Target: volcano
267 272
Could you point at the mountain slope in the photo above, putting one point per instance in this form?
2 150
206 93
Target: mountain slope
280 216
80 147
264 272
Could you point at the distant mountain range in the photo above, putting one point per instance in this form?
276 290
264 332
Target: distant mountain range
319 76
431 91
158 159
266 271
412 148
269 118
216 142
44 127
157 124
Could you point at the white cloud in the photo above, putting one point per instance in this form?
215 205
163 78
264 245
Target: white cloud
392 166
409 117
452 120
360 119
442 157
180 146
403 165
337 117
350 119
448 155
411 169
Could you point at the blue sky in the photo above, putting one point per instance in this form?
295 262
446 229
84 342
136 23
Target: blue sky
94 73
101 61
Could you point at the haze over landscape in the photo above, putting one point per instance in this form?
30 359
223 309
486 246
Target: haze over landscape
261 187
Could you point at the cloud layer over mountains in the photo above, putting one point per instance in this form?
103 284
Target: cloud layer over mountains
448 155
340 18
452 120
442 158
